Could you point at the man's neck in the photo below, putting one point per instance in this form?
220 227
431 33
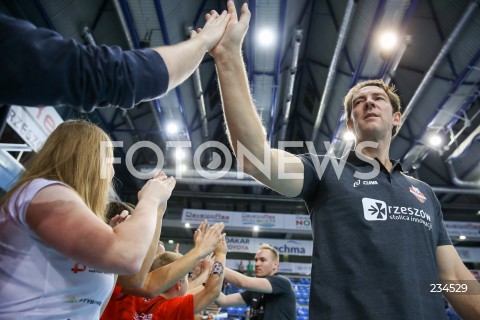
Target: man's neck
268 275
380 152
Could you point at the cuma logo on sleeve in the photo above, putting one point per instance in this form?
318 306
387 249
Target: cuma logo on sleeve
374 210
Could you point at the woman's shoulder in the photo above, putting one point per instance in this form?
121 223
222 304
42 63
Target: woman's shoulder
36 185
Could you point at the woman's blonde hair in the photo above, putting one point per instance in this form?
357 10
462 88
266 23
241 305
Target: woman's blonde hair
72 154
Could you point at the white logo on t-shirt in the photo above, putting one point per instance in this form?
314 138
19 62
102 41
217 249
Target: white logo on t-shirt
377 210
365 183
374 210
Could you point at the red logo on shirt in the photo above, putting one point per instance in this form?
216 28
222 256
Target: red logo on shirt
78 267
418 194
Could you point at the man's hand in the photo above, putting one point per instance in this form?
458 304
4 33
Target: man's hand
208 262
158 188
232 39
198 235
213 29
208 240
221 248
119 218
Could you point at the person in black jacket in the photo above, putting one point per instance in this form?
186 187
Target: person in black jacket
39 67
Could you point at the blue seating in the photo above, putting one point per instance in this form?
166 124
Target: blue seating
302 312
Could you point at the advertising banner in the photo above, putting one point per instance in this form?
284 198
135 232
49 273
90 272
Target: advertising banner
283 246
33 125
248 219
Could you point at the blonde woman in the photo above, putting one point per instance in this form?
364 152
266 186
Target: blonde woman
58 257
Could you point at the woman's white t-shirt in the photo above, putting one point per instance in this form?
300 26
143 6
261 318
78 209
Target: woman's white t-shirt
38 282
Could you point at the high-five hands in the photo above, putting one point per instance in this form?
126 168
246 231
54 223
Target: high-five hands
235 33
207 238
213 29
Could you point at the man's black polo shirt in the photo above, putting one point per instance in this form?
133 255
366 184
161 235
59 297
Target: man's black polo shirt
374 242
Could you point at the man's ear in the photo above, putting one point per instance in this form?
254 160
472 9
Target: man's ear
350 125
276 263
397 118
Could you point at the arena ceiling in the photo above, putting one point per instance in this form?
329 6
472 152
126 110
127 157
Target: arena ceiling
320 49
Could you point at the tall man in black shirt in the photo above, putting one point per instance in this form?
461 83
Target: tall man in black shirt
380 243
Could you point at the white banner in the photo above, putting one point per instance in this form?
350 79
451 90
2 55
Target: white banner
33 125
248 219
283 246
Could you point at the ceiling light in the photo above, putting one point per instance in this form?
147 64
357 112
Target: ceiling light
187 225
435 140
388 40
172 128
256 228
266 37
462 237
348 135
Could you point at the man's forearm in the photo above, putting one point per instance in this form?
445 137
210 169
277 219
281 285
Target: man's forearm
214 281
244 124
234 277
163 278
213 285
137 280
182 59
200 279
220 301
466 305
